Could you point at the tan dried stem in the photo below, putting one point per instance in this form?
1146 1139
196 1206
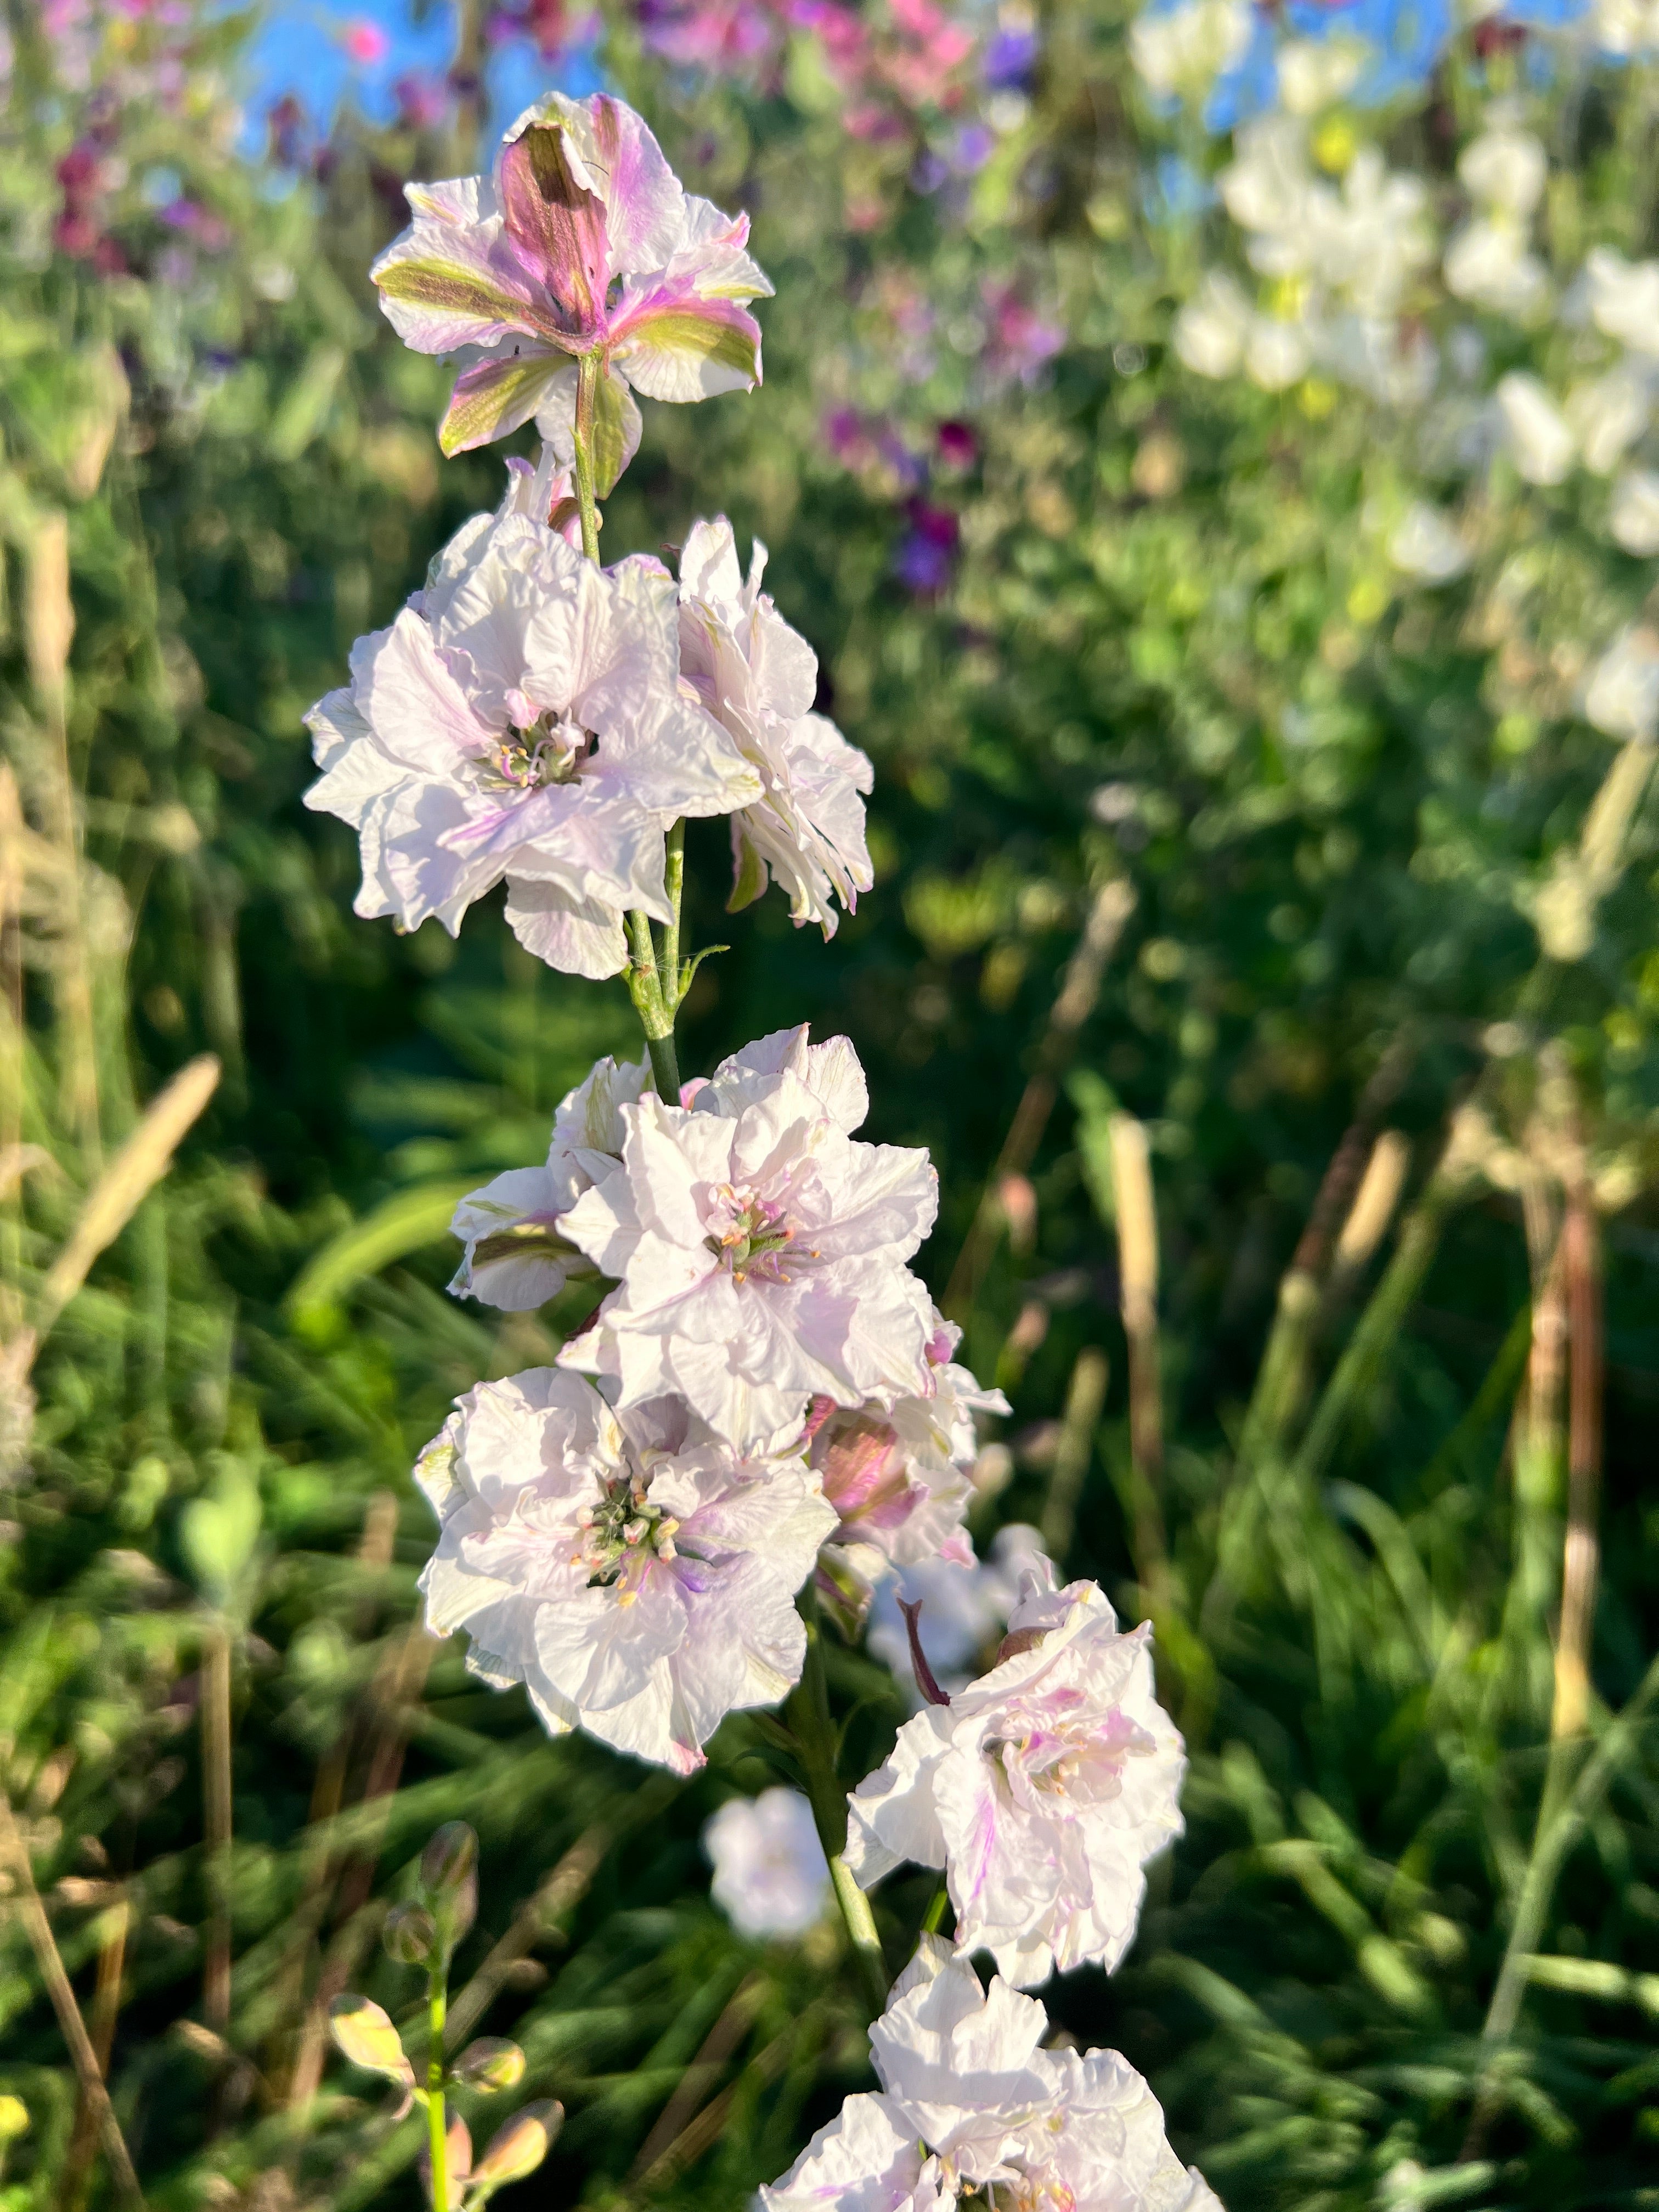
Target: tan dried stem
1581 1560
1079 991
49 1961
217 1822
1084 1399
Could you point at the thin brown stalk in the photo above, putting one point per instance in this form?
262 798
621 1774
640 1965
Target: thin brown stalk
50 1962
12 1050
1581 1560
737 2016
217 1823
106 2009
695 2138
559 1892
1137 1269
1084 1398
49 631
398 1686
1114 903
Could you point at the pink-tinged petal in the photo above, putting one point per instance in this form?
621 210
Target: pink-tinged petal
673 344
645 202
492 399
555 227
714 250
579 937
446 284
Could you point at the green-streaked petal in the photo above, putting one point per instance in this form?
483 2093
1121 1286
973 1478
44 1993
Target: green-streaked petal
493 397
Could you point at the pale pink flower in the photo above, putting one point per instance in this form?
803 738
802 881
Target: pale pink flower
771 1877
515 1259
633 1572
759 677
521 718
972 2110
582 242
899 1471
758 1251
1042 1789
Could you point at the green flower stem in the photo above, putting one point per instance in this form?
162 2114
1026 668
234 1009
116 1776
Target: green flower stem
437 2006
656 1018
808 1717
668 955
588 386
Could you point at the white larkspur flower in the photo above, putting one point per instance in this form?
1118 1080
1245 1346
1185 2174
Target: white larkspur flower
759 678
521 718
1212 327
515 1258
898 1470
630 1569
1621 698
1633 516
1042 1789
758 1253
771 1877
1623 298
972 2110
1505 167
1490 263
1180 52
1315 73
1425 545
1608 414
1539 441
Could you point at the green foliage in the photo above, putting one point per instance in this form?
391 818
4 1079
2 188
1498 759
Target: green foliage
1171 656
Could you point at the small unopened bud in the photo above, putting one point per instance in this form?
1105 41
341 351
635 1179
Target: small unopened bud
449 1880
519 2149
491 2063
448 1860
411 1935
1018 1640
458 2161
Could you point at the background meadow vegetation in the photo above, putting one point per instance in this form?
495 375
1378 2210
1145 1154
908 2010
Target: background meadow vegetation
1262 940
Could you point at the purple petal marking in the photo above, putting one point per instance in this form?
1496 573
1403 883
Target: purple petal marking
924 1674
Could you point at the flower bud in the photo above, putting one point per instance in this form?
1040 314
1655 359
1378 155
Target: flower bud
449 1880
411 1935
519 2148
491 2063
369 2039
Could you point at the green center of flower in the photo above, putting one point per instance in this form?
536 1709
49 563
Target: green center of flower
536 751
621 1534
748 1235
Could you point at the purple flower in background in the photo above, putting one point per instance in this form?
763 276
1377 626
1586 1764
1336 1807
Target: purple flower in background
1010 60
423 100
927 551
958 448
1021 339
721 36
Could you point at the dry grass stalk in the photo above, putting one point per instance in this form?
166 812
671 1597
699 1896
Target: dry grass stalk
1581 1560
216 1817
1084 1399
561 1890
1373 1207
1114 903
737 2016
49 1960
119 1191
106 2010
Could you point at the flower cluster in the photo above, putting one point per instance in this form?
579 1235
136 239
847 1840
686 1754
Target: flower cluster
972 2106
763 1397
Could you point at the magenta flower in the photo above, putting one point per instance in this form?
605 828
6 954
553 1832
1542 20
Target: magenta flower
584 242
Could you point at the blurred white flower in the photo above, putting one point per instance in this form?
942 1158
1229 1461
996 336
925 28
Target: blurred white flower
1626 27
1276 354
1633 516
771 1877
1315 73
1042 1789
1539 440
1211 330
1622 696
1267 188
1489 262
965 1609
1608 414
1370 239
1425 545
1180 52
1623 298
1506 169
